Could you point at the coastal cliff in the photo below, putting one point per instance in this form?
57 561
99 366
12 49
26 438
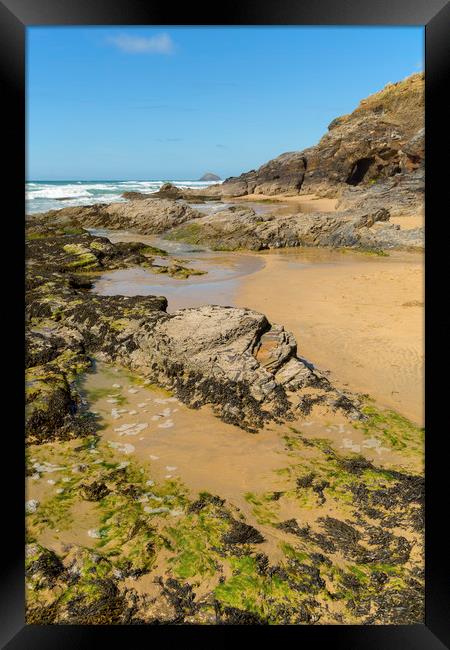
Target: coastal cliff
379 145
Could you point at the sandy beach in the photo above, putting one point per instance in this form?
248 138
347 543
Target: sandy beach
360 317
303 202
224 328
313 203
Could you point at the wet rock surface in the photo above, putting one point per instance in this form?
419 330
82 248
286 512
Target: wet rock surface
241 533
233 359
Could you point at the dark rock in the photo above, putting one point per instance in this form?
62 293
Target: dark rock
203 501
209 176
181 597
291 526
46 566
305 481
240 533
95 491
235 616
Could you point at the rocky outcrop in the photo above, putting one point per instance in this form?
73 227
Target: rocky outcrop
242 228
247 369
145 216
202 559
382 139
282 175
363 222
170 191
209 176
56 352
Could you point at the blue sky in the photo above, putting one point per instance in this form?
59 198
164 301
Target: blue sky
172 103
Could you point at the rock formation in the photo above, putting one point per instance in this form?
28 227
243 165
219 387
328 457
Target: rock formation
204 563
378 147
145 216
233 359
240 227
363 225
209 176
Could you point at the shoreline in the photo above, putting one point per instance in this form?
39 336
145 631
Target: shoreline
207 453
383 332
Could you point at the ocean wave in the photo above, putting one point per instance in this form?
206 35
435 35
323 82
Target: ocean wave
48 195
57 193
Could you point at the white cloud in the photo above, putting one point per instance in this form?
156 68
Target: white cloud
157 44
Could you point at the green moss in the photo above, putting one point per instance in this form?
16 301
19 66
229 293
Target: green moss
377 252
85 258
153 250
120 324
98 246
35 235
271 598
225 248
190 233
85 261
362 572
56 511
75 249
183 272
126 533
194 541
291 553
264 508
292 442
88 588
394 430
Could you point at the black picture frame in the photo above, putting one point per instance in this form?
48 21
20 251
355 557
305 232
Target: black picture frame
15 16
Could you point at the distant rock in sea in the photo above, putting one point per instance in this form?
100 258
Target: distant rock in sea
209 176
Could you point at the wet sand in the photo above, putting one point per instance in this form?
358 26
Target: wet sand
360 317
282 204
175 443
408 223
195 445
301 202
223 272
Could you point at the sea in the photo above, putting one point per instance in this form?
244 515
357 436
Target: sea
41 196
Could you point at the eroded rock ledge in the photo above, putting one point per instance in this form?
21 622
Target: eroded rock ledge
241 227
246 368
143 215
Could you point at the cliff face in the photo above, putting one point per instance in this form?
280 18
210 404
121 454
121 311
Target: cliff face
382 140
